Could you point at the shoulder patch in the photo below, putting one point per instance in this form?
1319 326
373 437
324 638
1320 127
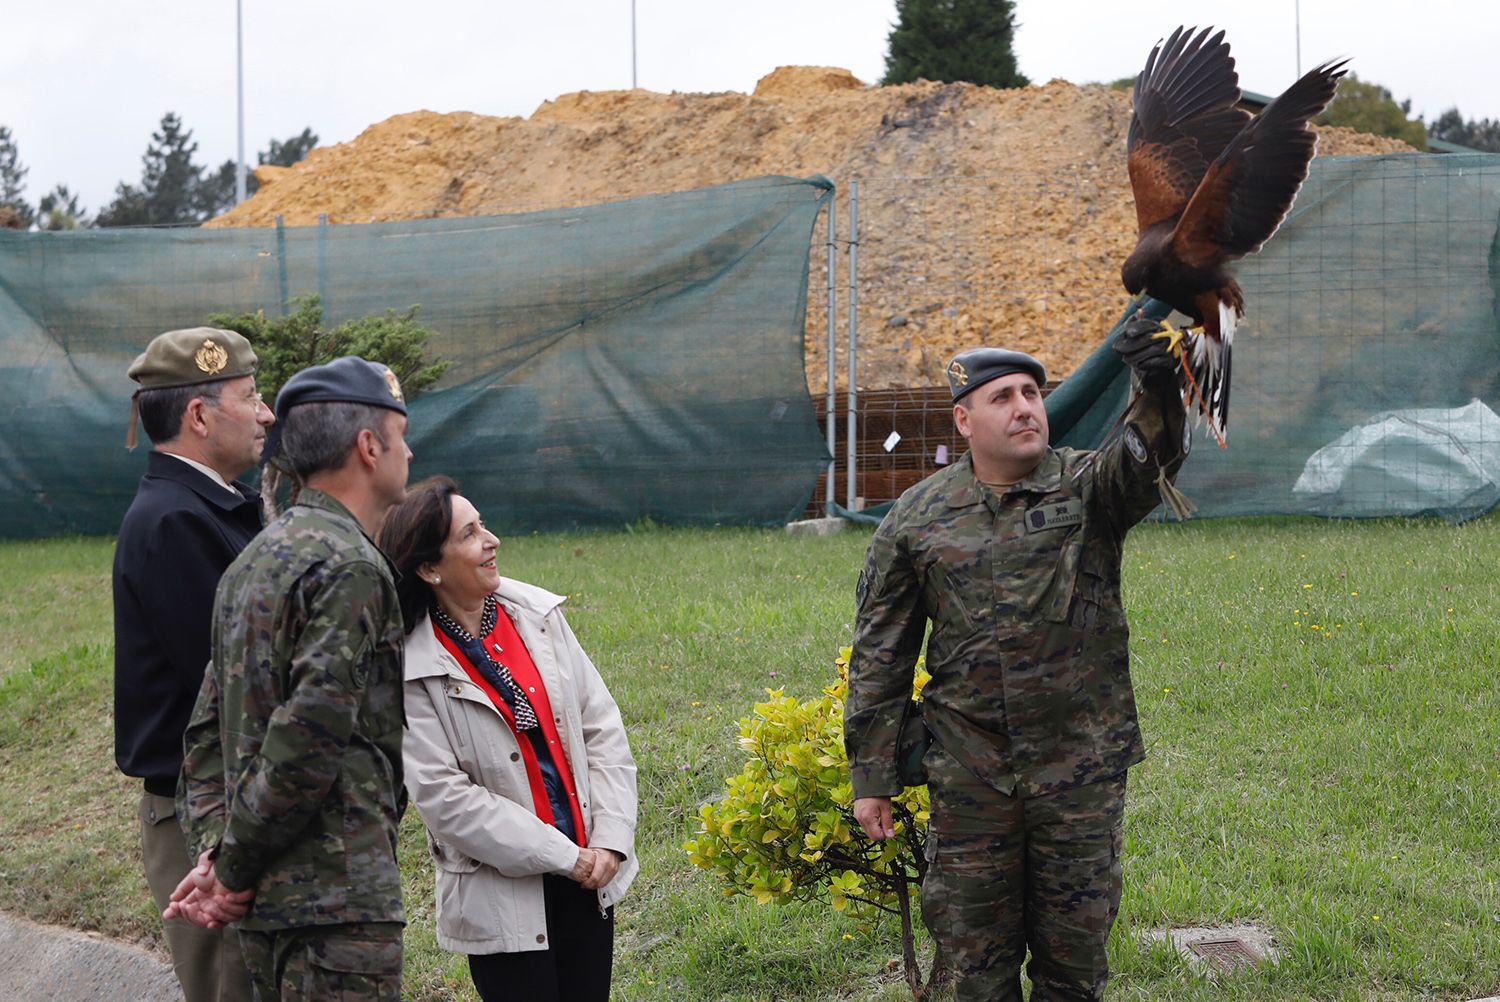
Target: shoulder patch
1054 515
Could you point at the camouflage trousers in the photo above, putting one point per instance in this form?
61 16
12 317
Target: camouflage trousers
1007 874
354 962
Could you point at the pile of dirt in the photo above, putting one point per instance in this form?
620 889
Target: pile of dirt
999 215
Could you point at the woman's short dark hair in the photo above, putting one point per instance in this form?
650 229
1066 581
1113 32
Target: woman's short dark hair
413 534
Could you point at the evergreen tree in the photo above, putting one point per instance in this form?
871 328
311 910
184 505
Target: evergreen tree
59 210
285 346
290 152
13 182
1479 134
1369 107
216 192
168 192
953 40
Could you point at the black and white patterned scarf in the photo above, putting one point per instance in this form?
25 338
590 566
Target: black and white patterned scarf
494 671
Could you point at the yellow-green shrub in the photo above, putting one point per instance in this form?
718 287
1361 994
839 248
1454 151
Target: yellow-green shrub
784 830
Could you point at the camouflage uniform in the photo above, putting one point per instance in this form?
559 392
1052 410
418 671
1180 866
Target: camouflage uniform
1030 703
292 762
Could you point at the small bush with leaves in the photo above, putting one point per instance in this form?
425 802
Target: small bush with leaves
784 829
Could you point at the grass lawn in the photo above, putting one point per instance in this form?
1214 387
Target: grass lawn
1320 702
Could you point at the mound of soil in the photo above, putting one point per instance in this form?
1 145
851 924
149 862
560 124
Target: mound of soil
997 216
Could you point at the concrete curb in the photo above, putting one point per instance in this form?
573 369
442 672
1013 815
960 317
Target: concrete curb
40 962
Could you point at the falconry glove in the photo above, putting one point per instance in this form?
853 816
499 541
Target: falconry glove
1153 351
1147 347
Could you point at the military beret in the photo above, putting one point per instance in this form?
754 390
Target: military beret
194 355
971 369
348 380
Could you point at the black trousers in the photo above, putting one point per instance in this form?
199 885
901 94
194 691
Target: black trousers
575 967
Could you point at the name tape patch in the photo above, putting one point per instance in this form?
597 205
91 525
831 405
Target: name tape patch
1054 515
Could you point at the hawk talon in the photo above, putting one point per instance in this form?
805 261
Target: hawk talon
1173 337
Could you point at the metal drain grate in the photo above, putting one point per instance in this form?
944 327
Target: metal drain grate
1226 954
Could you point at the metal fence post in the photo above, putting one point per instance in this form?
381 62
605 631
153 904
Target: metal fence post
850 395
323 261
829 418
281 281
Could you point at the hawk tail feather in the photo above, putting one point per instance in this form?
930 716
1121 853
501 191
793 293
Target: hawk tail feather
1207 374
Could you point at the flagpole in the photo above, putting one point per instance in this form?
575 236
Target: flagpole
239 77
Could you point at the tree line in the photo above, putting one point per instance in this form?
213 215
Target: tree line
174 189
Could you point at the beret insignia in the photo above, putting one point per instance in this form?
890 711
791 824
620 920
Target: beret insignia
959 374
211 358
394 384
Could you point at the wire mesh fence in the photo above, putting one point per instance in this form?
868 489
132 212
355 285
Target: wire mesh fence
1366 371
612 363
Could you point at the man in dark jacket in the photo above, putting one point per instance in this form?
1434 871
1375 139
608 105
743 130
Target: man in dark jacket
189 520
1013 555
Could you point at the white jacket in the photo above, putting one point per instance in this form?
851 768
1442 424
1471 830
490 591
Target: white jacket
465 775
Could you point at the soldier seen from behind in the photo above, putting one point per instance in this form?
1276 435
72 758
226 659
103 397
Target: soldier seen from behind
1013 555
292 775
189 519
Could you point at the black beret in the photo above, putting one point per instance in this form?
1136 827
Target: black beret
971 369
348 380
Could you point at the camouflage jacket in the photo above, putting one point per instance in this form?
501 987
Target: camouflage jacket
292 759
1029 648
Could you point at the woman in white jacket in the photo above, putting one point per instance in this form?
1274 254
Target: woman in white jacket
516 758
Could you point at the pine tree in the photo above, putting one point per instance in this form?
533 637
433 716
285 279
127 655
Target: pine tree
1479 134
13 182
59 210
216 190
168 192
294 149
953 40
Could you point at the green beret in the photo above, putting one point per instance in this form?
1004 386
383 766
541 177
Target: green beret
195 355
349 380
971 369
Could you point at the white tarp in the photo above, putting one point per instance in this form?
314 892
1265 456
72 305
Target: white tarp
1409 462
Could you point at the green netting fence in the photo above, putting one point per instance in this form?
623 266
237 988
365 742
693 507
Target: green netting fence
1367 371
1366 374
643 359
635 360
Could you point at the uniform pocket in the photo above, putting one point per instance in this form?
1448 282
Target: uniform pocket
934 890
1096 606
156 810
355 954
354 966
1057 602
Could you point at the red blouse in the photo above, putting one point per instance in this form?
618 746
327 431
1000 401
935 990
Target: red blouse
507 647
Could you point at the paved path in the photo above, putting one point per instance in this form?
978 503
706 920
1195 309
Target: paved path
40 962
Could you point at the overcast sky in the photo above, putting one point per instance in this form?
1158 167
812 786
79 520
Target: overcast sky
85 82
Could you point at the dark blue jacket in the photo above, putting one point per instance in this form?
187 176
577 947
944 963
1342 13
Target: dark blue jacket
179 534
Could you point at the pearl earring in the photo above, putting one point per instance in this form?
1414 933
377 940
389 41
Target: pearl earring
437 579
